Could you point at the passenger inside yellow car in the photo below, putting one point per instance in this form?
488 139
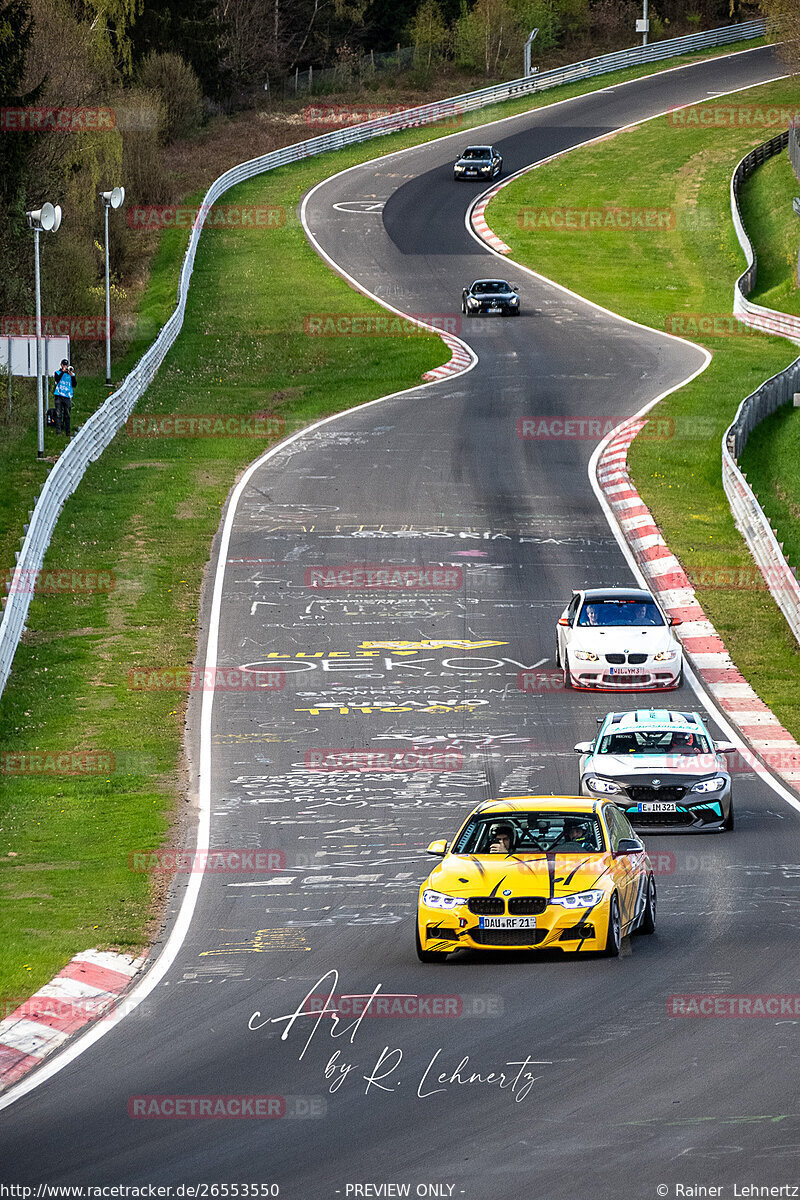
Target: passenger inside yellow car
577 837
501 839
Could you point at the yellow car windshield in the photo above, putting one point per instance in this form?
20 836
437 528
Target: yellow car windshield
531 833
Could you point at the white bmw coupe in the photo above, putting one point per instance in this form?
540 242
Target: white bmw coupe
613 639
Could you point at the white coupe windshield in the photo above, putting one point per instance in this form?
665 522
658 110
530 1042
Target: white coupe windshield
611 612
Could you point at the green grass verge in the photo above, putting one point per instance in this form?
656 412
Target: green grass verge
660 277
22 476
147 511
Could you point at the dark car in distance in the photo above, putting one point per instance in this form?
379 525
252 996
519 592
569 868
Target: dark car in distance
490 296
478 162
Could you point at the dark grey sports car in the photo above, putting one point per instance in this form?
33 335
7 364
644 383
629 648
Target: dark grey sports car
490 296
478 162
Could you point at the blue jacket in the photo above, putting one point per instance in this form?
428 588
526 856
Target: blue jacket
67 389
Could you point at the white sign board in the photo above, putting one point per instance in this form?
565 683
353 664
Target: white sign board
642 25
20 353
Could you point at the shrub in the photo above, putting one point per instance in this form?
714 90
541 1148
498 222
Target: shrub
175 82
141 117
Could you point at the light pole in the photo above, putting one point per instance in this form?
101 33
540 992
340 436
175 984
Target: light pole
526 58
643 24
112 199
47 219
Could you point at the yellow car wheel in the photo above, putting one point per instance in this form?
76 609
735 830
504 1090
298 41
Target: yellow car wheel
614 938
648 921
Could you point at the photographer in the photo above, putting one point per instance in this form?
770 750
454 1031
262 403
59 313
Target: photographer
65 390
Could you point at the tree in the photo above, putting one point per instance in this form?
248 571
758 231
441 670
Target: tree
428 33
193 30
269 39
107 24
488 34
783 24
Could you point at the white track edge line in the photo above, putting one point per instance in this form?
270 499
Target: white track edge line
179 930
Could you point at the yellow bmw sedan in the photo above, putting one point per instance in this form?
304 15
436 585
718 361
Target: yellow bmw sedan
537 873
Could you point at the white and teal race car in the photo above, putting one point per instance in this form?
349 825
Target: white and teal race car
662 768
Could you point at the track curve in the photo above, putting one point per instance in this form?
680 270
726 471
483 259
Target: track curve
437 478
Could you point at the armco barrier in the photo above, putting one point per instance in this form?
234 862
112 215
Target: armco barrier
101 427
755 315
747 512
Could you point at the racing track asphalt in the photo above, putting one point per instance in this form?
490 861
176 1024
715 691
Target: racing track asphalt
629 1098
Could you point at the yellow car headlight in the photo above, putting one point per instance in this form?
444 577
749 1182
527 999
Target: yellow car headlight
440 900
579 899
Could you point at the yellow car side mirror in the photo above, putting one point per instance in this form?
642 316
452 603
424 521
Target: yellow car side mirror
437 848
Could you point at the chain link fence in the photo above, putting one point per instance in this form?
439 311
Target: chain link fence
346 74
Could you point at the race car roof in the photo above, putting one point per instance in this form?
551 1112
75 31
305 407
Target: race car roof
565 804
654 720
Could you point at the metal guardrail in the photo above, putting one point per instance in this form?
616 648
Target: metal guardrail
756 316
103 425
750 518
